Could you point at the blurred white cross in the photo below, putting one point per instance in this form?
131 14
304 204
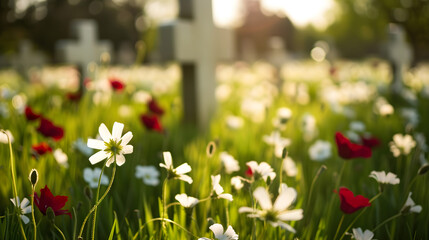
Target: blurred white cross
197 45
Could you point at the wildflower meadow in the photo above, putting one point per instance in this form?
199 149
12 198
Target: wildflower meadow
310 151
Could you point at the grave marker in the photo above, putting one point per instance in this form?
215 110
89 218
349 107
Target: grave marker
399 55
197 45
86 49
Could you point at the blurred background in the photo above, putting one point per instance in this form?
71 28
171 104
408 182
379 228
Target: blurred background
350 29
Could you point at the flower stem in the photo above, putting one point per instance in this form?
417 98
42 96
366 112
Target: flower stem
15 192
358 216
308 207
281 168
164 204
386 221
94 220
163 220
59 230
98 202
339 226
32 216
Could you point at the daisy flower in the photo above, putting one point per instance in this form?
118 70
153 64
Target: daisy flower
384 178
262 170
149 175
278 213
358 234
320 151
23 208
237 183
178 172
186 201
61 157
410 206
219 233
91 177
112 146
402 144
229 162
218 189
289 167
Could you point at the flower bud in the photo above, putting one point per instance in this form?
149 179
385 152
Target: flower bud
33 177
88 193
51 215
284 153
211 149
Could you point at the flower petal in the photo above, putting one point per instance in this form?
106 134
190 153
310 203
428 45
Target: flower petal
285 199
120 159
182 169
230 233
292 215
117 130
96 144
127 149
263 197
185 178
126 138
97 157
168 160
217 230
286 226
25 219
104 133
226 196
24 203
245 209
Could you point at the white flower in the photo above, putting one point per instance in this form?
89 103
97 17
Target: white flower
308 127
354 137
384 178
178 172
289 167
23 208
3 137
320 151
410 206
401 144
359 235
61 157
283 116
229 162
91 177
278 213
263 170
186 201
237 183
218 189
81 146
234 122
382 107
112 146
217 230
357 126
411 116
278 142
149 174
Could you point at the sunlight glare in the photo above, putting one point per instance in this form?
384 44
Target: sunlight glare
228 13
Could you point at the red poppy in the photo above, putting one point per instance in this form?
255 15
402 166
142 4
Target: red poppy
151 122
74 96
351 203
30 115
155 108
41 148
371 142
48 129
349 150
249 172
116 84
47 199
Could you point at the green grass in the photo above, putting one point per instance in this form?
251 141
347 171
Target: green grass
117 215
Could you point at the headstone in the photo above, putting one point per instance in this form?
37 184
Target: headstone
276 54
27 58
399 55
197 45
86 49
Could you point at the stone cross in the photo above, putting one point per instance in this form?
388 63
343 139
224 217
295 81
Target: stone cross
197 45
27 58
86 49
399 55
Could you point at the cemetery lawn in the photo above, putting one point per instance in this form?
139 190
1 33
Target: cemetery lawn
316 103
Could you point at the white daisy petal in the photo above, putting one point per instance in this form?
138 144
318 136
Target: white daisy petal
104 133
97 157
185 178
25 219
263 198
245 209
286 226
110 161
184 168
126 138
96 144
168 160
127 149
292 215
217 230
24 203
120 159
117 131
230 233
285 199
226 196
